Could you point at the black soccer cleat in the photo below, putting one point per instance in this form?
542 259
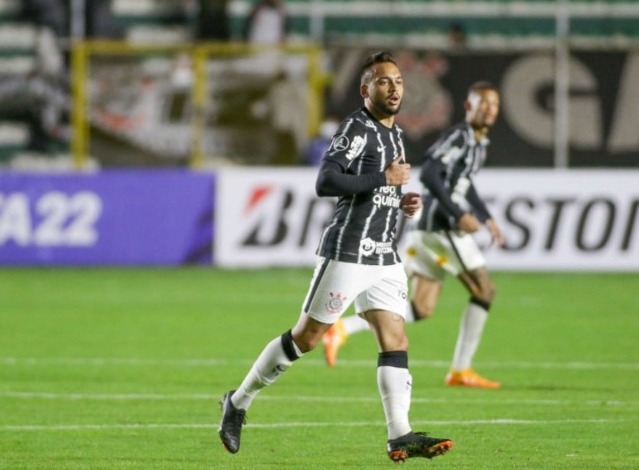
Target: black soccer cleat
417 444
230 428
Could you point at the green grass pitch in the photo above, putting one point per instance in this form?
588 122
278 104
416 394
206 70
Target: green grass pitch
122 369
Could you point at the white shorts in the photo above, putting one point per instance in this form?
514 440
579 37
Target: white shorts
433 254
335 285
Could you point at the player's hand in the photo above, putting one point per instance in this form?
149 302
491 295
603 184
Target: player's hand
411 203
468 223
495 232
398 172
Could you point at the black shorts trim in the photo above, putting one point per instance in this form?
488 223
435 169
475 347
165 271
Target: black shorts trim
315 285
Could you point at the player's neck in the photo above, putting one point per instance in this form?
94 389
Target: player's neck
386 120
480 132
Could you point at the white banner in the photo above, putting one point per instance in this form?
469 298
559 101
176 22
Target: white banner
552 219
268 217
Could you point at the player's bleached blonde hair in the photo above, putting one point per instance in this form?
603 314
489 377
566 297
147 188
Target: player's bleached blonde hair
481 85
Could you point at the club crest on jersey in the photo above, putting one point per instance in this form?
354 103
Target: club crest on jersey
335 303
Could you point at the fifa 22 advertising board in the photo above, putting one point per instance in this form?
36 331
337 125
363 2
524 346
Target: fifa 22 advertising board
114 217
553 220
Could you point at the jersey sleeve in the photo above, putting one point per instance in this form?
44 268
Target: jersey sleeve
333 181
448 147
432 177
472 196
334 177
348 144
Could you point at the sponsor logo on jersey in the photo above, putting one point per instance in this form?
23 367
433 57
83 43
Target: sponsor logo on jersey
356 147
369 247
341 143
387 196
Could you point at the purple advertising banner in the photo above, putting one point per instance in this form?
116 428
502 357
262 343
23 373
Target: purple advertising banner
114 217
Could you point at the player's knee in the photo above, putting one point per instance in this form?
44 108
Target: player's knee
422 310
394 343
485 292
490 291
402 342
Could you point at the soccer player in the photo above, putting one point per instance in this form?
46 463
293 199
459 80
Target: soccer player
442 243
357 262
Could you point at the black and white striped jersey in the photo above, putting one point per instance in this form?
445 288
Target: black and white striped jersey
447 173
363 226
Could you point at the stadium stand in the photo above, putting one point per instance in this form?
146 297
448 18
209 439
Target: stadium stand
155 20
17 58
34 88
487 24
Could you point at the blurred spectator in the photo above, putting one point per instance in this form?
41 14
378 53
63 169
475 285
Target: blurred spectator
320 144
212 21
267 23
99 20
42 102
96 21
457 36
46 13
41 98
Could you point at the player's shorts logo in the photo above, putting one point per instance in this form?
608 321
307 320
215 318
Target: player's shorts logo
335 303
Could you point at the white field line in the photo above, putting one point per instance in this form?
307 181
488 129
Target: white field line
154 426
308 399
414 363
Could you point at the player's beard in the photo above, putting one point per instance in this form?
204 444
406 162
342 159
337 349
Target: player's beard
388 109
483 125
488 122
